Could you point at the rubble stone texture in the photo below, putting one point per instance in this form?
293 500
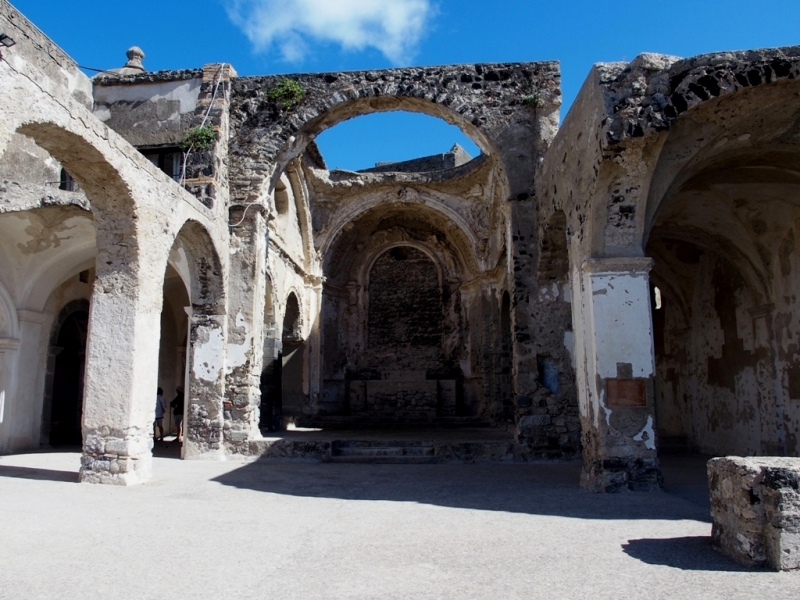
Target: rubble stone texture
755 507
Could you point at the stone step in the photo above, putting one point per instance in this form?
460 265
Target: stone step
382 449
384 460
389 422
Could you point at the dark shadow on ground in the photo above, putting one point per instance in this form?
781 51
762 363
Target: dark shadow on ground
167 449
687 553
550 488
38 474
685 477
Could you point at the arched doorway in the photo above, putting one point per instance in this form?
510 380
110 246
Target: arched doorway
66 408
172 351
290 378
270 384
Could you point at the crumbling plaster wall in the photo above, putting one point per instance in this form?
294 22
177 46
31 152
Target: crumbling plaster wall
611 184
154 109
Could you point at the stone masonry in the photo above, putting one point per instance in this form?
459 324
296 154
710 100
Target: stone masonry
755 506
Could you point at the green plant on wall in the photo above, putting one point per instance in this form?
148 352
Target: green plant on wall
533 100
288 93
199 138
531 95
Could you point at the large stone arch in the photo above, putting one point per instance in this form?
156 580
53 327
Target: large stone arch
462 237
509 110
456 236
195 256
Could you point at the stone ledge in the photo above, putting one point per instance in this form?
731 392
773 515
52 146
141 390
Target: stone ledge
755 508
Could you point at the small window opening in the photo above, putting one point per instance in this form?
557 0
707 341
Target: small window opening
167 159
83 276
67 183
399 253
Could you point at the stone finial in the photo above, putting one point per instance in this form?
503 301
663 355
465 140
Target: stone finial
135 58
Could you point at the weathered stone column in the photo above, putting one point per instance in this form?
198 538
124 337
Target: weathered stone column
205 378
246 305
615 369
525 371
121 373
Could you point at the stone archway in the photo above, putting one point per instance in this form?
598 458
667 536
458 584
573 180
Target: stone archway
490 103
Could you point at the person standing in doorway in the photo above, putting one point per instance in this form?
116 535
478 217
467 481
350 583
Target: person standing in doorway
161 408
177 412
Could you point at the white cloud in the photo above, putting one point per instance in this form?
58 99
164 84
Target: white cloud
394 27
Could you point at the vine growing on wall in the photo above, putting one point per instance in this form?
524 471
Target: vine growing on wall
288 93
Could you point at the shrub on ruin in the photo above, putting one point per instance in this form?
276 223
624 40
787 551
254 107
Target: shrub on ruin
199 138
287 93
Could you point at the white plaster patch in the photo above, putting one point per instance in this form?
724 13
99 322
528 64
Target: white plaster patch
237 353
208 356
602 396
548 293
647 435
621 307
186 92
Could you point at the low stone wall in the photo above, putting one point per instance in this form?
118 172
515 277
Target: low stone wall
755 507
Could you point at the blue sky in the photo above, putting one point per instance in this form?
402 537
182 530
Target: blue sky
287 36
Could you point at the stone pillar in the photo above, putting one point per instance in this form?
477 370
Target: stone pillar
205 387
246 305
615 369
121 372
524 258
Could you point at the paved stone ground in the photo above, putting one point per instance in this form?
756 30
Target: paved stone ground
309 530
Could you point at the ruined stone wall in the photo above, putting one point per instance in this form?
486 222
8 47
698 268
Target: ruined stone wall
510 109
405 307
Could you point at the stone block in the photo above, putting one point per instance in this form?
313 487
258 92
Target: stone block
755 507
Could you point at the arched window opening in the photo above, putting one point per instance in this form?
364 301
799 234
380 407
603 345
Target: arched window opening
292 364
291 320
67 183
396 141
